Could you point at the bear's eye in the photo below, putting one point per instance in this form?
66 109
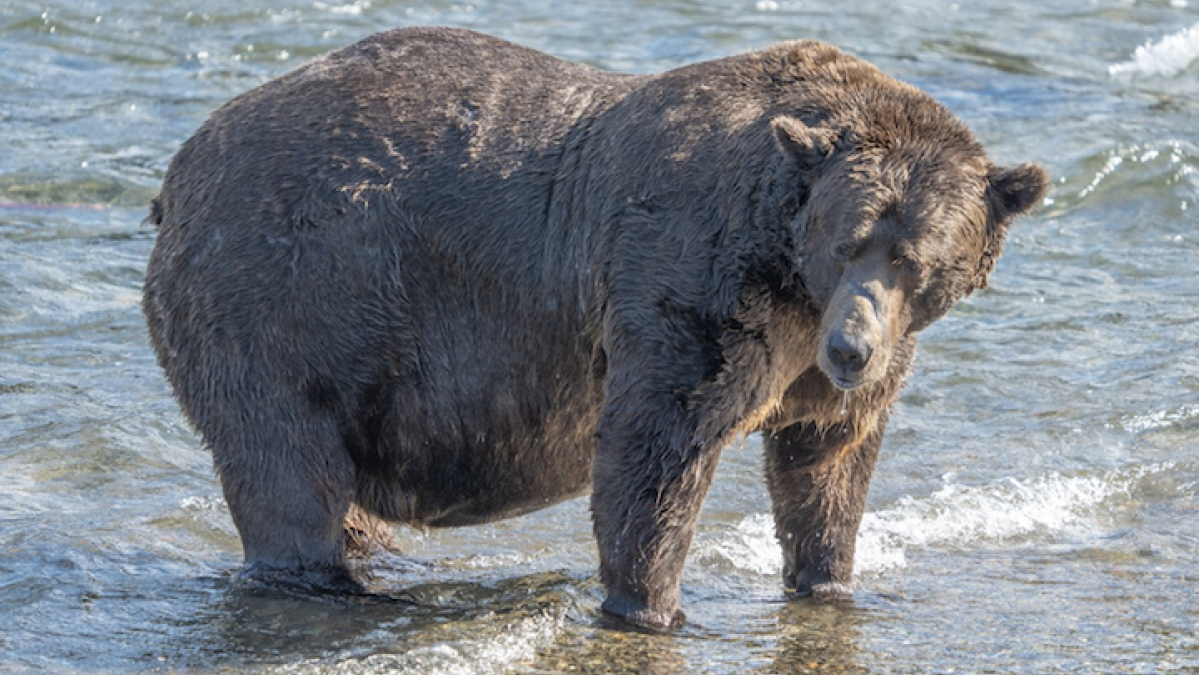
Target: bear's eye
846 250
908 266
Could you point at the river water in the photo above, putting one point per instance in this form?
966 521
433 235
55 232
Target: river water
1036 509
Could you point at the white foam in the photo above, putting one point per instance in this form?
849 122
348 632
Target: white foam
354 8
1165 58
202 503
750 546
489 561
516 646
21 498
1156 420
208 513
955 516
963 516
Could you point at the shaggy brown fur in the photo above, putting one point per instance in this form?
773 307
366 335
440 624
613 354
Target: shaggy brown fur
446 279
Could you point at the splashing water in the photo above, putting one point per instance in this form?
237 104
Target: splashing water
517 645
953 517
1165 58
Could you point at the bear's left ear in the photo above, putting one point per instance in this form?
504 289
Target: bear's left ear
1010 192
1013 191
809 146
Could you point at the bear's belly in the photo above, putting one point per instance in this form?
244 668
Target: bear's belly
502 472
537 482
509 429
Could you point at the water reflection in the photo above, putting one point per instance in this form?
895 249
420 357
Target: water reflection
803 636
818 636
259 625
604 651
464 623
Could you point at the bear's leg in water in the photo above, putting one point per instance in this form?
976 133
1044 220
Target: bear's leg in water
659 441
289 482
818 479
647 494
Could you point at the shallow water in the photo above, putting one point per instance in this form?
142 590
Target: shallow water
1036 509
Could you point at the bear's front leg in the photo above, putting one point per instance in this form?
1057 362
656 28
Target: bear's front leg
649 483
818 478
650 476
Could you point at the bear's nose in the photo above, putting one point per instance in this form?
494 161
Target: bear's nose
848 354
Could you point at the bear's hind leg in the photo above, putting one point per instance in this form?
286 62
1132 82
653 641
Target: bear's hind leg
289 483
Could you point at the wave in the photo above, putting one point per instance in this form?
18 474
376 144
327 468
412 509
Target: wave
355 8
209 516
750 546
1159 419
1009 512
516 645
1167 57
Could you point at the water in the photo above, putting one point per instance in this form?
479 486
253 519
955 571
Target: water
1036 509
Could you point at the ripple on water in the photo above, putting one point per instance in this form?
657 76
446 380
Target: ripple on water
32 192
1164 174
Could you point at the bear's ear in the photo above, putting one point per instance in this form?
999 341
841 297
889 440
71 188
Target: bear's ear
1015 190
808 145
1010 192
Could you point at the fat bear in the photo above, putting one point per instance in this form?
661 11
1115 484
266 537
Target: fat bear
444 279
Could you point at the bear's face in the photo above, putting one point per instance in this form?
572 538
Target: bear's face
892 235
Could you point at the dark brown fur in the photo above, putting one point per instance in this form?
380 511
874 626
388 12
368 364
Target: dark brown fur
446 280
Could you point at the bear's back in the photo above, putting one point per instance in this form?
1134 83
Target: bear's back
447 114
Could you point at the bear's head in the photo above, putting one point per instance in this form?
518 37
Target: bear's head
903 215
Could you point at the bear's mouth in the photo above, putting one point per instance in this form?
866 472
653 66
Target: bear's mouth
843 383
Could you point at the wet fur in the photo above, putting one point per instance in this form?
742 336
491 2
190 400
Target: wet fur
445 280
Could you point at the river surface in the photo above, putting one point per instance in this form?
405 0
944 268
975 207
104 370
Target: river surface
1036 509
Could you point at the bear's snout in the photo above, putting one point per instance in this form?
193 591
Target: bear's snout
849 353
850 358
854 335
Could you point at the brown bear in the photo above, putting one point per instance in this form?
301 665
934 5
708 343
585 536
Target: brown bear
446 279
